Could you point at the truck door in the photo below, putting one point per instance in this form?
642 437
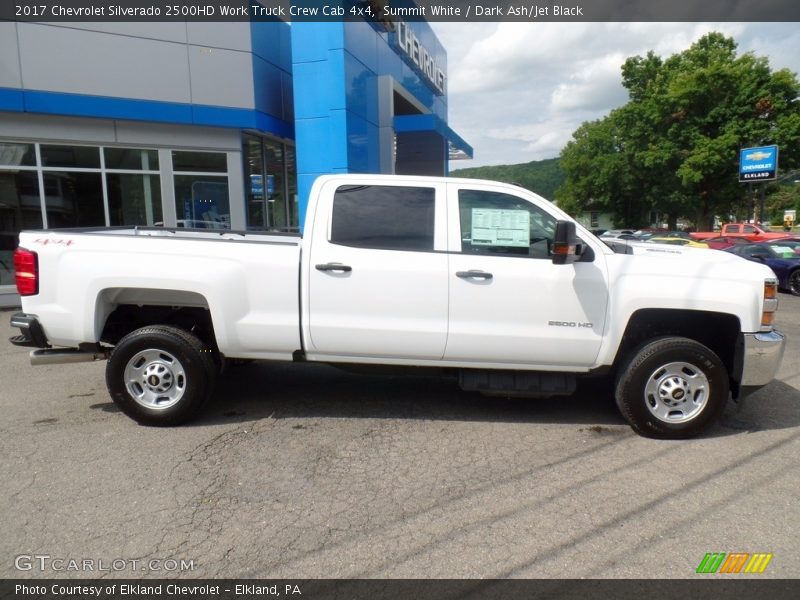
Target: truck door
378 272
508 302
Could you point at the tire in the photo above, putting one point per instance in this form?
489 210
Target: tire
794 282
160 375
672 388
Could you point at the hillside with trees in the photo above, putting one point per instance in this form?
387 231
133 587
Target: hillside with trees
540 176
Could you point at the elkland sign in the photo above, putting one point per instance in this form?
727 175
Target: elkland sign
758 164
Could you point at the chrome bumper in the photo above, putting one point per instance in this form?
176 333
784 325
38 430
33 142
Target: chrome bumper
763 353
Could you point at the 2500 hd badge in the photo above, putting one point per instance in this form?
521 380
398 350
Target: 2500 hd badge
569 324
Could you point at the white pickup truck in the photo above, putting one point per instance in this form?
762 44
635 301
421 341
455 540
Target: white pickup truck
482 280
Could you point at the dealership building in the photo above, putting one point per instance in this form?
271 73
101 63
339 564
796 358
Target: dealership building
208 124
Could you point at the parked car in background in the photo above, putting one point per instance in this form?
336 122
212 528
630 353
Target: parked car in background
786 248
676 241
780 257
723 242
792 239
646 234
754 233
618 234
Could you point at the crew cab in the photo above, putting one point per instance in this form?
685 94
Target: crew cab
752 233
483 281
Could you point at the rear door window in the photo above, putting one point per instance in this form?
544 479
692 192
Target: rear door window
384 217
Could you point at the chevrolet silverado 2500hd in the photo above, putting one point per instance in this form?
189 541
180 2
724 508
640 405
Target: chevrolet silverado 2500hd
484 280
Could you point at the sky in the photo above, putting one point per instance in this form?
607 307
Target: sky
517 91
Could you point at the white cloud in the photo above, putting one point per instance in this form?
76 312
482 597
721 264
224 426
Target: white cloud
594 86
517 91
510 54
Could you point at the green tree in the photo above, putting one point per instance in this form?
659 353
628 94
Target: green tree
781 198
675 144
599 171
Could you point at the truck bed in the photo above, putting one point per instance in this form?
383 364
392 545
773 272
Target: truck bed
246 280
182 233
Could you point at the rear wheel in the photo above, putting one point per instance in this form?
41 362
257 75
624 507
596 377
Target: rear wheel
672 387
160 375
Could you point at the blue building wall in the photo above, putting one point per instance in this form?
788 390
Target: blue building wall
337 67
272 69
323 85
237 76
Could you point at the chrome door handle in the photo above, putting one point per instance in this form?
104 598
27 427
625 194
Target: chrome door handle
473 275
336 267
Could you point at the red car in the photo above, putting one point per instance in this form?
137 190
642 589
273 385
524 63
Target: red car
788 238
724 241
753 233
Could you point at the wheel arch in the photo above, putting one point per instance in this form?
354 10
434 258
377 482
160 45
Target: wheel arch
119 311
719 332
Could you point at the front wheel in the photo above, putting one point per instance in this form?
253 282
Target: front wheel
794 283
160 375
672 388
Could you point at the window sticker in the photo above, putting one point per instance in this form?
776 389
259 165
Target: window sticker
783 251
498 227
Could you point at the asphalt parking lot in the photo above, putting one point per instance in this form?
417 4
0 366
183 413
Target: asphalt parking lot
309 472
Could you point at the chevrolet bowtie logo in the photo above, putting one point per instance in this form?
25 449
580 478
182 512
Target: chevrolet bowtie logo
760 155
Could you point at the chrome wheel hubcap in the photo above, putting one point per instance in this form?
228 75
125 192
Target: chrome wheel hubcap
155 379
676 392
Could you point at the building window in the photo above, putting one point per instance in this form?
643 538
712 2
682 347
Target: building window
291 188
276 190
134 199
49 186
73 199
20 201
201 197
17 155
199 162
20 208
131 159
77 157
133 186
73 186
253 159
270 184
594 220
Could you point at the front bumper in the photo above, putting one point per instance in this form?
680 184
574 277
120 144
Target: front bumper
762 357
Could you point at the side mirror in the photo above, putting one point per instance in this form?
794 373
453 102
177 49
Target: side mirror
762 256
565 244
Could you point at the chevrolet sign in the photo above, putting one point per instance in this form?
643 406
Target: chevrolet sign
758 164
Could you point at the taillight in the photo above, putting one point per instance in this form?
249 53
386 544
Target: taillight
26 269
